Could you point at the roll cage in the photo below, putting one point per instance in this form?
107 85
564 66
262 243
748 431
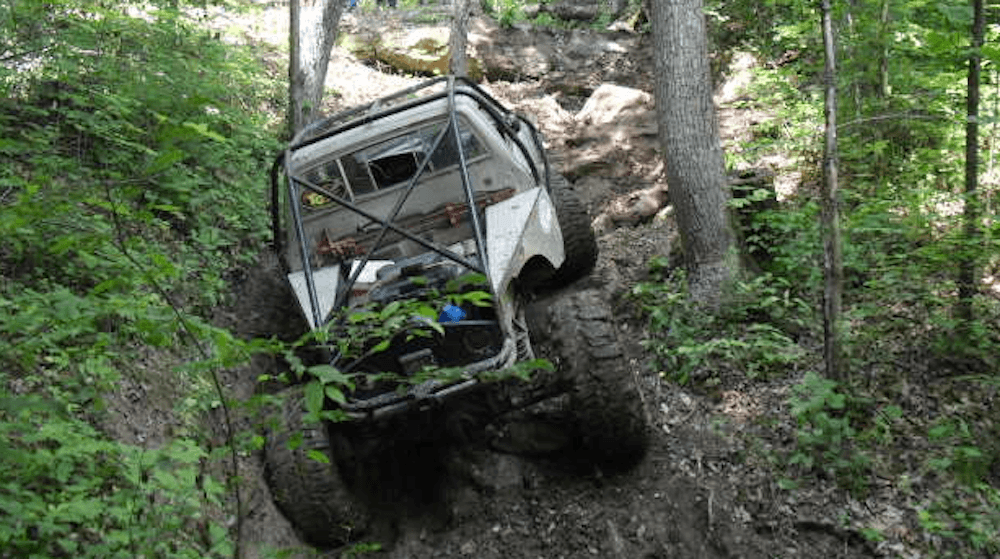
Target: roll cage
509 125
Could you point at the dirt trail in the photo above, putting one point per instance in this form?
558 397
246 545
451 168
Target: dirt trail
699 493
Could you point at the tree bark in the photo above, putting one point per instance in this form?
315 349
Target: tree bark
884 38
617 7
692 149
967 261
459 62
313 30
833 273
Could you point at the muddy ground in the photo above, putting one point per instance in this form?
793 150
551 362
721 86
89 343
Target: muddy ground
706 489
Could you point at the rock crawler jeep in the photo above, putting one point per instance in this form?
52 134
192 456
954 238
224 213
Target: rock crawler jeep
435 200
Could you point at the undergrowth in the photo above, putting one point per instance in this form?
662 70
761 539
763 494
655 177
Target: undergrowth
133 143
758 332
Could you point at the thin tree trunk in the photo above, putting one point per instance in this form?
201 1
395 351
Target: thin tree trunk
313 30
692 149
884 38
991 160
617 7
458 64
832 260
967 264
855 84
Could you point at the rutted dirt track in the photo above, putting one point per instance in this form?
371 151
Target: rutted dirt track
700 491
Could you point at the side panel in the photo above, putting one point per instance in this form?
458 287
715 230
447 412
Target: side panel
327 279
518 229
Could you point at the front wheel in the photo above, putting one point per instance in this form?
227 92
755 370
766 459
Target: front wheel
577 333
309 491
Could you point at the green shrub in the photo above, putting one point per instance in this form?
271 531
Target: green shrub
77 493
753 333
825 437
133 151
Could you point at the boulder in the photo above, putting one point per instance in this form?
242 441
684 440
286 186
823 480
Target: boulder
632 208
617 106
422 51
616 125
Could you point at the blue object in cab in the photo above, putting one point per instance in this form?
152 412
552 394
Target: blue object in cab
451 313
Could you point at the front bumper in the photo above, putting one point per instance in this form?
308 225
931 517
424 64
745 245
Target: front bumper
431 393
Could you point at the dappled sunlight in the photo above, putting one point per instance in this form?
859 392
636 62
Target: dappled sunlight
741 122
740 406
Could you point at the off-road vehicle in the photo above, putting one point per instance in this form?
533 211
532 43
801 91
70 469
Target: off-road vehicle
433 215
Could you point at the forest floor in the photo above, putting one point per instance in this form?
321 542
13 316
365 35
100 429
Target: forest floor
708 487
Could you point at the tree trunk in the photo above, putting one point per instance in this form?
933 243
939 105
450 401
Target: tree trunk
833 272
459 63
884 37
689 137
967 261
313 29
617 7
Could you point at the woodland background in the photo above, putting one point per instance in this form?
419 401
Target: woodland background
136 143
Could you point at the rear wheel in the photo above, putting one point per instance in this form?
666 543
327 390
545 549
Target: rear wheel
308 491
576 332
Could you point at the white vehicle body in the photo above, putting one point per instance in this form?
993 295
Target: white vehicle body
380 191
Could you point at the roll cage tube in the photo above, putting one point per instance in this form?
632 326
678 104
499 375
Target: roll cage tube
342 292
470 193
300 234
387 223
279 161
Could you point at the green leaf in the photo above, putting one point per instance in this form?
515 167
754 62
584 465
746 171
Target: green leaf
295 441
872 534
940 431
477 298
425 310
202 129
390 310
837 401
335 394
318 456
328 374
314 398
361 316
787 484
164 160
381 346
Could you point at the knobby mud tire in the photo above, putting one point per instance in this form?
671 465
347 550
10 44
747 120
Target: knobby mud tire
579 243
310 493
576 331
